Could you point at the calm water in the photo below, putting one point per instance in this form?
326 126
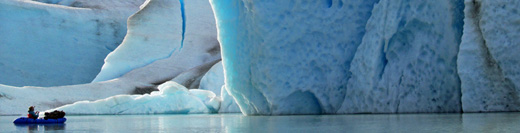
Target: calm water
415 123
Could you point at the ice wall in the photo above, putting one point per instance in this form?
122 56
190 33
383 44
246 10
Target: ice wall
488 61
49 45
407 60
289 57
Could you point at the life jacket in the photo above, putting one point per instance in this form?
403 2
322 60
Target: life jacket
30 116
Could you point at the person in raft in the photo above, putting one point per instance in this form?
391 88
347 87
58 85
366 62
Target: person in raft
32 114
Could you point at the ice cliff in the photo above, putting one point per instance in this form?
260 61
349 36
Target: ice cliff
336 56
59 42
289 57
392 56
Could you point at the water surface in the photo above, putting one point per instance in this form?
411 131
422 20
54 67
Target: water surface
478 122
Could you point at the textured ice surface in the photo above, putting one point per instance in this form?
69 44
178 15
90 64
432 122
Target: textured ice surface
488 61
50 45
171 99
154 33
289 57
407 61
160 31
213 80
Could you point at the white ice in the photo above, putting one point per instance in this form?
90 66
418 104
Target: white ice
171 99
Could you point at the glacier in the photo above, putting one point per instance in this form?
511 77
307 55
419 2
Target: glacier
488 58
57 44
172 98
262 57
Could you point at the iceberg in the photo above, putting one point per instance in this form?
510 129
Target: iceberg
488 58
56 44
172 98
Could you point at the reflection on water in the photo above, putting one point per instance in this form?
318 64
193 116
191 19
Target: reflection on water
231 123
37 127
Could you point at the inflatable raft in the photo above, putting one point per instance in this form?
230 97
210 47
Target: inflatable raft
25 120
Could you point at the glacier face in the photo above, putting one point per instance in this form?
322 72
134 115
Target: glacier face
50 45
289 57
407 60
488 58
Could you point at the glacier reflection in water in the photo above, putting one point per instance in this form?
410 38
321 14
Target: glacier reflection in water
474 122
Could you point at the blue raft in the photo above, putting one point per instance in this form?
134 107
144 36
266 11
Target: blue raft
25 120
